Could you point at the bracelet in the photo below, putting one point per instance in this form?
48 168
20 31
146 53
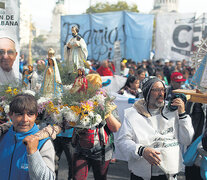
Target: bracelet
180 115
140 150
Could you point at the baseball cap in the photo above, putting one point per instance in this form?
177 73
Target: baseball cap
177 77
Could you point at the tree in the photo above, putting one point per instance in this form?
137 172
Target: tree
38 48
40 39
106 7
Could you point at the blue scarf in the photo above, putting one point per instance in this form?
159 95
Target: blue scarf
13 154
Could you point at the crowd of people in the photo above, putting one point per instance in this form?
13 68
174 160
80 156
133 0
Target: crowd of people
153 135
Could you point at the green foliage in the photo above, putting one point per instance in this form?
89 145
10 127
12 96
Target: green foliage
65 77
107 7
76 98
39 39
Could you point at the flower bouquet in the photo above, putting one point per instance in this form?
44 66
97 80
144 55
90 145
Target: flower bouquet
6 94
75 110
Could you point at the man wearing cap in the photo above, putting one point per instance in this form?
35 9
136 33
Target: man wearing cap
8 55
176 81
151 135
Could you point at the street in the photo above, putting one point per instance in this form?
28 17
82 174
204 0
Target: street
117 171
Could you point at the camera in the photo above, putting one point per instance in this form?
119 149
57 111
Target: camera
174 96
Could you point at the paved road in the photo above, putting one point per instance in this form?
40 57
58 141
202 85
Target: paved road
117 171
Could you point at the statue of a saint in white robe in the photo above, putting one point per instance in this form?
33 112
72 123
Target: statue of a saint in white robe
75 52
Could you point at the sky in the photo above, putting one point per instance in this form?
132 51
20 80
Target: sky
41 10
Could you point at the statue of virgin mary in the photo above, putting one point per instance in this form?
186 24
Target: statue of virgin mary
52 84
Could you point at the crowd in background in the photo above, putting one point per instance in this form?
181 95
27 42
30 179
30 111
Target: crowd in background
162 68
173 74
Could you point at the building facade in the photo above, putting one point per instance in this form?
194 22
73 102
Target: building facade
161 6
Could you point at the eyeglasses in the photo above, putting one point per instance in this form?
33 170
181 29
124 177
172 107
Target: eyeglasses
159 90
9 52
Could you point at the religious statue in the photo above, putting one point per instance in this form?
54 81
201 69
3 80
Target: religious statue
80 84
75 51
25 78
33 78
52 84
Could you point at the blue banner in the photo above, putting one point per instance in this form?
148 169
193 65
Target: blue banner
101 30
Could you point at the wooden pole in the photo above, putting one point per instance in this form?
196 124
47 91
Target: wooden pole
193 95
30 44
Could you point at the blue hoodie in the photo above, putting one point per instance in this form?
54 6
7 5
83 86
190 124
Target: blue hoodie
13 154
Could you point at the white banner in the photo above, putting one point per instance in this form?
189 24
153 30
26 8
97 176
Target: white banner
122 103
113 83
174 35
9 29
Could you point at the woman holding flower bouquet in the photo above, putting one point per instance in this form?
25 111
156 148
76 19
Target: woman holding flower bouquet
94 121
93 144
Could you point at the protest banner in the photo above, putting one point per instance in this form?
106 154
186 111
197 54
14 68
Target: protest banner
9 41
101 30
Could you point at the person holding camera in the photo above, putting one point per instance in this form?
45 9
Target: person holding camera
176 81
152 135
75 51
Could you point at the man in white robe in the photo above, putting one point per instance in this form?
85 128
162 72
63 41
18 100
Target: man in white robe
8 55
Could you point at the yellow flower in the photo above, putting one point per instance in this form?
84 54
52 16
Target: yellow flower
1 117
51 104
9 90
87 107
50 107
95 103
76 109
1 109
15 91
83 115
55 109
